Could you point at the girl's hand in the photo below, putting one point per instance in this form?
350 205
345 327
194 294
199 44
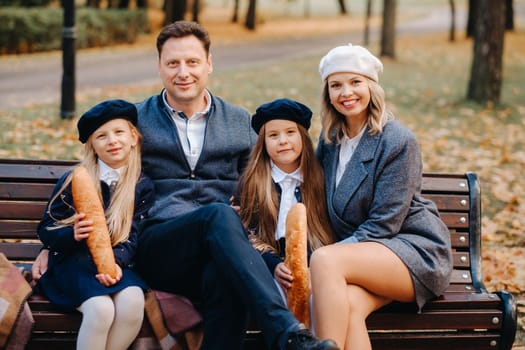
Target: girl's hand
40 264
81 228
106 280
232 204
283 276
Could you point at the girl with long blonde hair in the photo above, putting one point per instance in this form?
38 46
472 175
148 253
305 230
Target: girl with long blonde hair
112 307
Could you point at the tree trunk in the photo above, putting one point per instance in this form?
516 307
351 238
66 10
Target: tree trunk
473 6
487 65
174 10
196 6
251 15
388 32
342 7
509 15
366 40
452 33
235 16
123 4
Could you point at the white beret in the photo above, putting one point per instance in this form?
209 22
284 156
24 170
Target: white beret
350 58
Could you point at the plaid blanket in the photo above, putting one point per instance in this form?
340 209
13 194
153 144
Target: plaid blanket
174 321
16 320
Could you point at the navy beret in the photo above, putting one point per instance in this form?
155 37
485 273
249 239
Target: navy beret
281 109
103 113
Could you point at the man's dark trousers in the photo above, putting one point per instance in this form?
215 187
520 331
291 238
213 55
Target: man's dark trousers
205 255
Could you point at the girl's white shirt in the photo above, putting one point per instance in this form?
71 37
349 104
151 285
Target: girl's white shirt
288 182
108 174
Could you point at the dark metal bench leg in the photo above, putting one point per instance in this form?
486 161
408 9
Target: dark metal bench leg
508 331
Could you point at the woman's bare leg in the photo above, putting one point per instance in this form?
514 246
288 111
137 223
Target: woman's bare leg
359 278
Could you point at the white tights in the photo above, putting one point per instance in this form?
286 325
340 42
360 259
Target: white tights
111 321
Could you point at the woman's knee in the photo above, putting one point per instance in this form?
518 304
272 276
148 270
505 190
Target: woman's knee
322 260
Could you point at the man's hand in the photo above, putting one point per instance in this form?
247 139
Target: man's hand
40 264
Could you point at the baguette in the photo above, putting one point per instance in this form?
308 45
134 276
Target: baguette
298 296
88 202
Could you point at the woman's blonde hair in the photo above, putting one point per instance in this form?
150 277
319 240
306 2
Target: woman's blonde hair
333 122
259 200
119 214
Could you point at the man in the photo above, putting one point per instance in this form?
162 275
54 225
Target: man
193 243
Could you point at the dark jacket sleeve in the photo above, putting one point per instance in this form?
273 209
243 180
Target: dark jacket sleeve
60 240
272 260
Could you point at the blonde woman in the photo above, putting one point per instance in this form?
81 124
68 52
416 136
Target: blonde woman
392 243
112 308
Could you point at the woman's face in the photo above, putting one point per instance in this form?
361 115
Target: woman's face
349 94
113 142
283 143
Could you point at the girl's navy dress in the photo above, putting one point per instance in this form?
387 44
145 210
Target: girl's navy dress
70 277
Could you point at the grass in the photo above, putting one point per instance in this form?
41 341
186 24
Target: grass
426 88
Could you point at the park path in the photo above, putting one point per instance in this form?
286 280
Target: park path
36 78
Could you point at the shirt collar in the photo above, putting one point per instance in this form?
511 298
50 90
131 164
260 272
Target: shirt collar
178 113
107 173
278 175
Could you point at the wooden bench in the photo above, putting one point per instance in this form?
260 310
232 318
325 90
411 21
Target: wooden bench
466 316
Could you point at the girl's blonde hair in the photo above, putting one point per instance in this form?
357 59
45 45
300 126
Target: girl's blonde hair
119 214
259 200
333 122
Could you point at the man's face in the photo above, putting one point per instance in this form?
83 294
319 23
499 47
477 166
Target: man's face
183 68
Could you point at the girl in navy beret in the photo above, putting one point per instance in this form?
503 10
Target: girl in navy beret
282 170
112 308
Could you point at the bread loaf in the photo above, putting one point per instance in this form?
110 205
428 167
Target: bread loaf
296 260
88 202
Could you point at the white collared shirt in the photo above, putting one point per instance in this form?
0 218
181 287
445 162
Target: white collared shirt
288 183
108 174
191 130
348 146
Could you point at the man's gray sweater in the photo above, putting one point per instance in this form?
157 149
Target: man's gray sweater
227 143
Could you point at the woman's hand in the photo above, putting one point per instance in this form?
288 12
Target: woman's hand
81 228
283 276
106 280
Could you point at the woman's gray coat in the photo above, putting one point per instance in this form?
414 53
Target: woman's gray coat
379 199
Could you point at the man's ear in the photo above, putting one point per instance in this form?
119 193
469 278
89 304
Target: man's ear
210 64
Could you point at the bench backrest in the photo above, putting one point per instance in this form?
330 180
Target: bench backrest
25 186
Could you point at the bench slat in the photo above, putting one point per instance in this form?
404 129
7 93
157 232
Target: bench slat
447 319
27 191
18 229
17 251
42 171
433 341
22 210
449 201
455 220
444 183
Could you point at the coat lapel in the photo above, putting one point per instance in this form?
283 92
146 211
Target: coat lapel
356 171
